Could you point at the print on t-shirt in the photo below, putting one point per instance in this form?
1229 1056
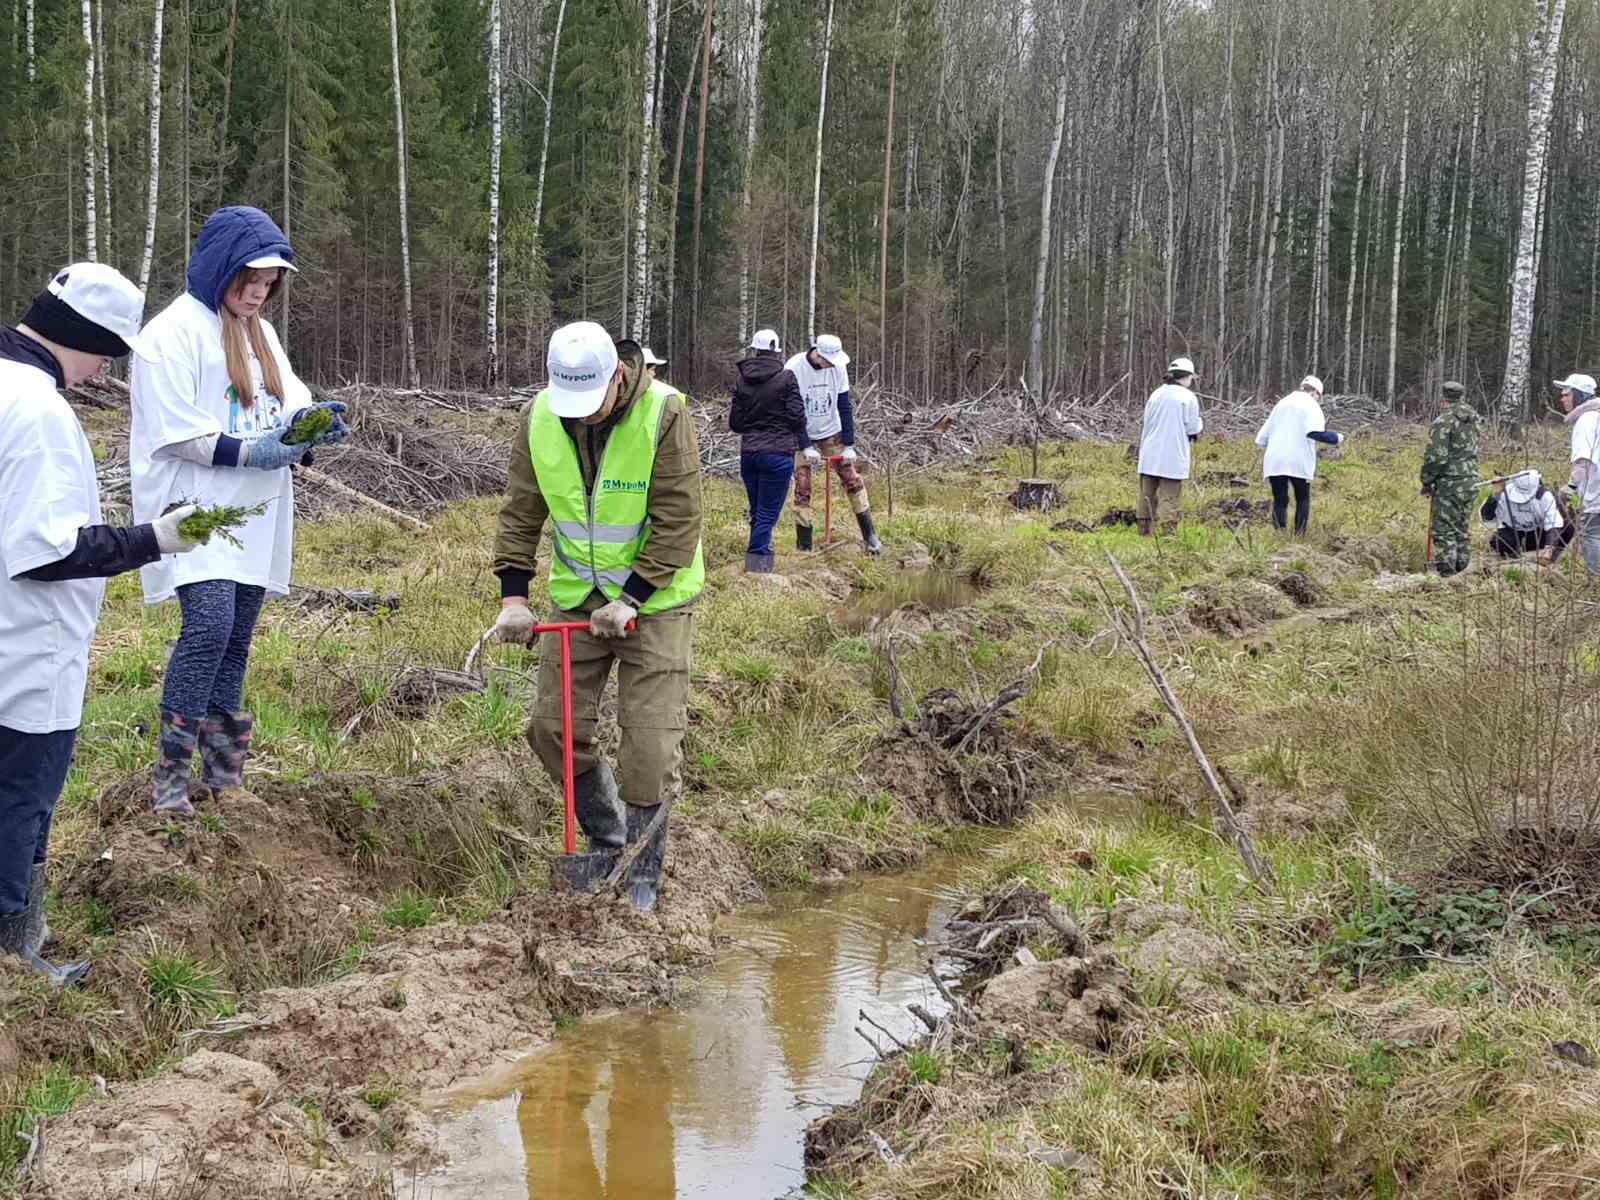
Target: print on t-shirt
819 398
264 415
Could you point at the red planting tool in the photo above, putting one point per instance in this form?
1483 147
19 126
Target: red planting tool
827 503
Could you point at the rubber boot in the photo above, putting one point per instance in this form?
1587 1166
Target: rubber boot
644 876
802 537
594 800
38 925
869 535
224 741
14 940
169 791
1144 526
759 564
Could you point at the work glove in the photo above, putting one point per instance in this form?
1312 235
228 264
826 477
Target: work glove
270 452
612 620
336 432
515 623
848 454
813 456
168 539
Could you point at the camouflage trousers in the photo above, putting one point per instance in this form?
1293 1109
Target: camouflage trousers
1452 516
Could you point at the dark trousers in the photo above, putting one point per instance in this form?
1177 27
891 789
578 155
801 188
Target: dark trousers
206 674
766 483
1280 501
33 769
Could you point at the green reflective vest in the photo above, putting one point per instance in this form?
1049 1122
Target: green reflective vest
598 536
663 389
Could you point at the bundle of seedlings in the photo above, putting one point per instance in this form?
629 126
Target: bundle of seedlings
308 428
219 519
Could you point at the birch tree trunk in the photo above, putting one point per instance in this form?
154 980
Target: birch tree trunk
90 230
883 211
107 226
1399 238
816 191
1355 240
752 107
641 221
492 334
1036 325
288 175
29 40
227 96
1168 250
155 150
699 185
1466 237
412 378
549 95
1227 188
1544 42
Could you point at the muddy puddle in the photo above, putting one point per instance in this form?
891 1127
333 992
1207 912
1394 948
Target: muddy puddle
710 1099
933 590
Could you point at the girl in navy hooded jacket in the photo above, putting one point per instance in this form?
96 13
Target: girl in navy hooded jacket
211 407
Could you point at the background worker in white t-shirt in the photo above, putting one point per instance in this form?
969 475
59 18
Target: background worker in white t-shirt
210 411
1288 436
57 555
1583 418
831 426
1171 423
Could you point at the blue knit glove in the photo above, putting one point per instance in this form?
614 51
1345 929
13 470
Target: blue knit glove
337 432
269 452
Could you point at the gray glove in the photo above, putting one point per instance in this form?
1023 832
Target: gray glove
269 452
515 624
168 539
813 456
611 621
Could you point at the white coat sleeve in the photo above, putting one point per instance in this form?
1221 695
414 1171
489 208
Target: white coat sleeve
166 394
1192 424
1552 513
1264 434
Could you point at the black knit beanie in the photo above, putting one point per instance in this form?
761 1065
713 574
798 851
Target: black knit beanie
52 318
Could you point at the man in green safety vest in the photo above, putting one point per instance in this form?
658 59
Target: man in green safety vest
614 468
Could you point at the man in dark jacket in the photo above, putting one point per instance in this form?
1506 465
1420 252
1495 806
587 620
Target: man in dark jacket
769 411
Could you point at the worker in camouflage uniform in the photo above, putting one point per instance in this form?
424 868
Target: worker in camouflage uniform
1449 476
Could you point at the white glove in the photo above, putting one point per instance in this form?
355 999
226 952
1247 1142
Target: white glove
612 620
514 624
848 454
168 539
813 457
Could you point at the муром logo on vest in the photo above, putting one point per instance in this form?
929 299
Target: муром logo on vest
624 485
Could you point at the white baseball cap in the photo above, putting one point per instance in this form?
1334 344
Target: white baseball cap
831 348
271 260
1180 366
1578 383
1312 383
650 359
1522 486
581 360
766 339
106 297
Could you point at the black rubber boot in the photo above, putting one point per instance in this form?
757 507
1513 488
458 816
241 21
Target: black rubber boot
38 927
759 564
594 800
644 876
802 537
869 535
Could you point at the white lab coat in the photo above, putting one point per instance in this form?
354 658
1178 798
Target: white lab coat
1586 444
1171 418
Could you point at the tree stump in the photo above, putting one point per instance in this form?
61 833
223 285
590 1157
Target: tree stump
1041 494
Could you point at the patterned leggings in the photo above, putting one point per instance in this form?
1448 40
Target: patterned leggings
206 674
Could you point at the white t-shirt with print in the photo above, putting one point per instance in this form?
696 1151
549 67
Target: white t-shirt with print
48 492
1586 444
187 394
821 391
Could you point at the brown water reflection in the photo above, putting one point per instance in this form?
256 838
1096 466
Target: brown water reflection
711 1099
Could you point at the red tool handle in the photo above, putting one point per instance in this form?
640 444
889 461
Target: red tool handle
568 786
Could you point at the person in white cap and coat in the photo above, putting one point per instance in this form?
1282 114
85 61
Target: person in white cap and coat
1289 438
1171 423
831 428
652 374
1583 487
212 409
57 555
1525 514
614 469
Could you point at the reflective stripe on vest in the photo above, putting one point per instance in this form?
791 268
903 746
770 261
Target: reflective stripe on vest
598 536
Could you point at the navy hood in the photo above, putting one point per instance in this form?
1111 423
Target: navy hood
229 239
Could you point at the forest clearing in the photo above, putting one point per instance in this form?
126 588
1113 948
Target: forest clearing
1409 1011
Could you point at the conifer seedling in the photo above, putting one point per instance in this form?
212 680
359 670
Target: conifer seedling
219 519
309 428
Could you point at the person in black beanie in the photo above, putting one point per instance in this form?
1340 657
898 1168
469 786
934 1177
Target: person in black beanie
57 555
